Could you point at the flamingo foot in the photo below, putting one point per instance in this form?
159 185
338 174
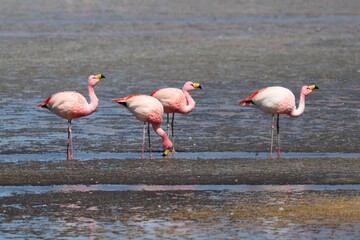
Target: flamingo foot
69 156
150 153
69 153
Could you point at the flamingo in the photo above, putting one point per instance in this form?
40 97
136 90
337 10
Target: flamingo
71 105
278 100
149 110
176 100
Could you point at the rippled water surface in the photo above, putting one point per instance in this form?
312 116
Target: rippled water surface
232 48
230 54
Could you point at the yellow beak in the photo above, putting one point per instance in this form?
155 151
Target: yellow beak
197 85
99 76
312 87
166 153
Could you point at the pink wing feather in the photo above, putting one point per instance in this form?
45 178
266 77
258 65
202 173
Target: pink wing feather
249 98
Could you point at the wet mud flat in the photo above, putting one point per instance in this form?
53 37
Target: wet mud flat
179 214
79 208
183 171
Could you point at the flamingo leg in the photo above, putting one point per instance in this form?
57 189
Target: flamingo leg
69 150
143 143
278 134
172 133
272 136
150 153
167 124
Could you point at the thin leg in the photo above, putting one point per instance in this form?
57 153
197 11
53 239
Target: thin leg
167 124
69 150
172 133
143 143
272 136
278 134
150 152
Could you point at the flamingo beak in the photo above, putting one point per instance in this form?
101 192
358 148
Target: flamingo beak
166 153
99 76
312 87
197 85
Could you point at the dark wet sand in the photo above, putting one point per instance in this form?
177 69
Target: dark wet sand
184 212
182 171
211 213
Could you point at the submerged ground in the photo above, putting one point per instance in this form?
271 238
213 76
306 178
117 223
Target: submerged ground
232 48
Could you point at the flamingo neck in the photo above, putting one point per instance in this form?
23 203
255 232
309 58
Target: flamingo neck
190 103
167 144
94 101
298 111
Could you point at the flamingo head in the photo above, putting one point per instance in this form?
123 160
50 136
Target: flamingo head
94 79
166 153
189 86
306 90
167 144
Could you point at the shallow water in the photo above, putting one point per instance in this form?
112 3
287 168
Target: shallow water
158 155
16 190
230 54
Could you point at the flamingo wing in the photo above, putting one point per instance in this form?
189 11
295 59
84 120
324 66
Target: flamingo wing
141 106
272 100
249 99
68 104
172 99
45 103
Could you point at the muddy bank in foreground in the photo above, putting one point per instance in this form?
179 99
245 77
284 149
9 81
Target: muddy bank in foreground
187 214
183 171
86 211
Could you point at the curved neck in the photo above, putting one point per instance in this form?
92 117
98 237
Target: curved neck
94 101
298 111
190 103
167 144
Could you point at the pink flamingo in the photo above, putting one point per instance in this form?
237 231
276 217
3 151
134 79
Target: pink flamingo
278 100
149 110
71 105
176 100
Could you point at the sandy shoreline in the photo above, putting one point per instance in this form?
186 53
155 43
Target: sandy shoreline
183 172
